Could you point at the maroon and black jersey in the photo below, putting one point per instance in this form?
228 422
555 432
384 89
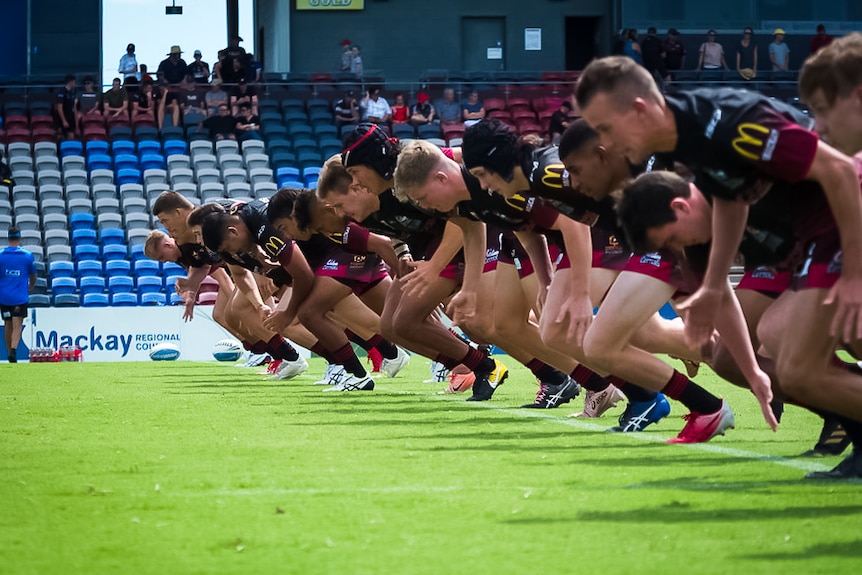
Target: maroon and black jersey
406 222
193 255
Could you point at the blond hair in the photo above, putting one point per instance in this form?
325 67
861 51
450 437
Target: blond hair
416 162
154 242
619 77
333 178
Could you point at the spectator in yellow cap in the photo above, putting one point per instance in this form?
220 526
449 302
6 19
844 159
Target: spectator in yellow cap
779 53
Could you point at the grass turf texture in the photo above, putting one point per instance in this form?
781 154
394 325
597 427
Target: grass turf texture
208 468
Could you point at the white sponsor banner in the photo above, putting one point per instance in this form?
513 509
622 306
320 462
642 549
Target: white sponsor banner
125 334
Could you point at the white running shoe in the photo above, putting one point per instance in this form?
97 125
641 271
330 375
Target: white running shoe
439 373
290 369
255 359
391 367
333 375
352 383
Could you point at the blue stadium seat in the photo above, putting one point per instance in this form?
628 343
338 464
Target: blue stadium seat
149 284
111 236
86 252
129 176
172 133
83 236
286 173
81 221
175 299
171 281
124 299
98 162
92 284
121 284
120 134
71 148
115 252
39 300
67 300
176 147
148 267
94 300
60 286
152 298
153 162
310 174
149 147
125 162
136 252
144 133
117 268
61 269
173 269
89 268
120 147
99 147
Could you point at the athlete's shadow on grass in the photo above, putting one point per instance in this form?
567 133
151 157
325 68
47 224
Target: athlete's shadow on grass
840 549
683 513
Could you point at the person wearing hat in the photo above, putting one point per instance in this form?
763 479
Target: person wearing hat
199 69
779 53
423 111
17 278
129 64
233 52
346 55
346 110
173 68
746 55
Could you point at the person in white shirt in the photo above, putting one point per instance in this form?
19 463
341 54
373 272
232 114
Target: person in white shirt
375 108
129 64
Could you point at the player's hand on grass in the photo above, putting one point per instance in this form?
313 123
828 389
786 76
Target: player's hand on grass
699 313
846 295
422 276
761 387
577 314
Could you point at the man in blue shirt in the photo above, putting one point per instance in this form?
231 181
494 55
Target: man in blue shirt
17 278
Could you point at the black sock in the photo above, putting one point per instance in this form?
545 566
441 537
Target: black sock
632 392
690 394
280 348
347 357
545 372
386 348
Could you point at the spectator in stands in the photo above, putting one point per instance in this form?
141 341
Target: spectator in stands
145 105
631 48
64 108
375 107
239 72
711 54
199 69
6 179
254 70
559 121
88 104
400 111
233 52
346 110
221 126
821 39
215 97
129 64
423 111
356 64
217 69
473 110
674 51
448 110
243 93
145 75
653 55
116 101
779 52
746 55
173 69
346 55
17 278
247 124
192 102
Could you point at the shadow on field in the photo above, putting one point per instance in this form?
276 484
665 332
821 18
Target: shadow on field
840 549
677 512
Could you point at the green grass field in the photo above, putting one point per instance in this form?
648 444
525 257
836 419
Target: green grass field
208 468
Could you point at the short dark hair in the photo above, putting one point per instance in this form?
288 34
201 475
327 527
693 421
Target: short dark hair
576 137
68 78
198 215
168 201
617 75
368 145
213 228
294 203
644 204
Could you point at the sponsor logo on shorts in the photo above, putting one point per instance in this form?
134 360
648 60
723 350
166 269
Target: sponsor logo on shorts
331 265
491 255
763 272
358 263
652 259
613 247
835 266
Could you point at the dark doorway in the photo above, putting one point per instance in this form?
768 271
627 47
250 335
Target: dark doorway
477 36
581 35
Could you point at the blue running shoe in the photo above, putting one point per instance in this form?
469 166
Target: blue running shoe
640 414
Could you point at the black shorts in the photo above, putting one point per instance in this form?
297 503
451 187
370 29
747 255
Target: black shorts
10 311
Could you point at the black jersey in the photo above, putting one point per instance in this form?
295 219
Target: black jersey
739 143
193 255
512 214
406 222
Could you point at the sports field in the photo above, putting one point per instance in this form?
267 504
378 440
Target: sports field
207 468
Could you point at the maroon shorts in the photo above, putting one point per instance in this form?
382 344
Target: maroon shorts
358 272
513 253
492 249
766 280
663 266
608 253
822 266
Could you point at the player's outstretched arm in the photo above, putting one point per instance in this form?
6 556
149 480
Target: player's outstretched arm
577 310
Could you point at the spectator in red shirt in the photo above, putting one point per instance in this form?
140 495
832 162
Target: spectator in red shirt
821 39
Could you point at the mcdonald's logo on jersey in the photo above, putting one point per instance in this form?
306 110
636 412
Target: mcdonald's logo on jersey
274 245
552 176
755 142
520 203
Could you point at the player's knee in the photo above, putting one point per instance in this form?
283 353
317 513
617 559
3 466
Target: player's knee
596 352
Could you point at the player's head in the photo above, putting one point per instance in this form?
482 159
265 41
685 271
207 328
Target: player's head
422 177
621 101
663 210
13 234
370 156
172 210
494 154
830 82
593 169
220 231
289 211
161 247
338 190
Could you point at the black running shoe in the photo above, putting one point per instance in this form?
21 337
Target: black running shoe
487 382
550 395
13 356
833 440
850 468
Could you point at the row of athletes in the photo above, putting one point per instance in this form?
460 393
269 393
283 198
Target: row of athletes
519 188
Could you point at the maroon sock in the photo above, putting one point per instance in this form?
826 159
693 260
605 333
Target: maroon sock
246 345
258 347
477 361
448 362
322 352
690 394
385 347
589 379
347 357
280 348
